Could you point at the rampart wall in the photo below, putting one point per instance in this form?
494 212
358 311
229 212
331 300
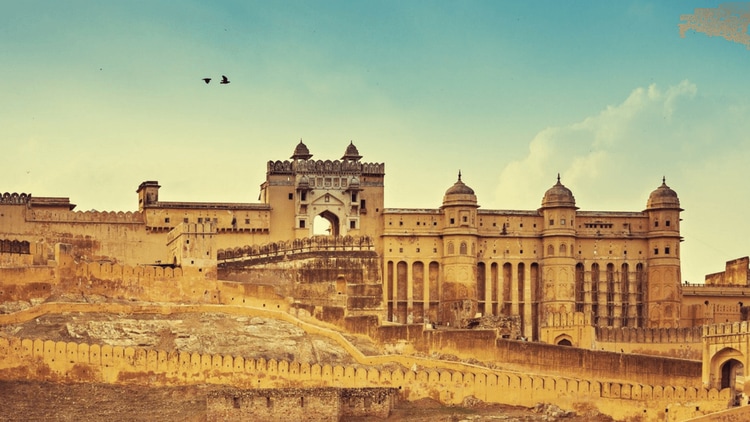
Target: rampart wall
448 381
109 217
721 329
682 343
300 404
484 346
74 362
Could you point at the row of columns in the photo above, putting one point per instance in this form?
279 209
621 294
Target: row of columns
612 298
508 290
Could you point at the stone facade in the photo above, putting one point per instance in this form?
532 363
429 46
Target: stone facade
444 266
415 280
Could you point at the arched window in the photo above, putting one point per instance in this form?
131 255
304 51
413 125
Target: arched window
451 251
563 249
550 250
463 248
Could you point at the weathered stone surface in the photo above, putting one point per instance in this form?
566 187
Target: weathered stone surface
202 333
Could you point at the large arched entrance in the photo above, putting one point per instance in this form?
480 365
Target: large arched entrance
727 370
732 375
326 224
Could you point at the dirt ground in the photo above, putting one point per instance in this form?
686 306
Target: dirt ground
36 401
204 333
428 410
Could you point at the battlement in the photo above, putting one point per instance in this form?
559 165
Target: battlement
80 362
109 217
567 319
727 328
649 335
15 198
325 166
126 273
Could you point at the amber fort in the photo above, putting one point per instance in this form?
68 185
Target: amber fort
581 308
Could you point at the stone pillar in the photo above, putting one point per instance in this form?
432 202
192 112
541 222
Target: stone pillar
528 326
514 299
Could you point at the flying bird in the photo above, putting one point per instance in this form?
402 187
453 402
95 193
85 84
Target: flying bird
206 80
224 80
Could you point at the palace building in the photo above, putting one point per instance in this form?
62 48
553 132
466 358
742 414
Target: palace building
456 281
444 266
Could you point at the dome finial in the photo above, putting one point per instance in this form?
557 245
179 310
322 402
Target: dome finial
301 152
459 175
664 180
351 153
558 177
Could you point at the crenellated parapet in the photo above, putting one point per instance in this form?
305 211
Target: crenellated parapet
726 329
304 245
110 271
47 360
109 217
15 198
567 319
324 166
649 335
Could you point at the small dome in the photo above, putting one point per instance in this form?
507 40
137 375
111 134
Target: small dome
663 197
354 183
558 196
351 153
304 182
301 152
459 188
459 193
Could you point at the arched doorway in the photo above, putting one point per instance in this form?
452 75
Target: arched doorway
726 370
732 375
326 224
340 285
564 340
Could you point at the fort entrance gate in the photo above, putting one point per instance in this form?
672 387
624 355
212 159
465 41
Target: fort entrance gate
725 355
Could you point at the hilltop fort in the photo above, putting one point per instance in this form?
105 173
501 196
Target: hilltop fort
581 308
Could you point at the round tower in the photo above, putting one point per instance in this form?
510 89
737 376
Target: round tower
663 292
558 261
458 296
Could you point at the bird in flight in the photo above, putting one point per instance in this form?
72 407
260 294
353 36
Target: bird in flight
224 80
206 80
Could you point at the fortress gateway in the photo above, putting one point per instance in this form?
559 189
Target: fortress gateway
606 282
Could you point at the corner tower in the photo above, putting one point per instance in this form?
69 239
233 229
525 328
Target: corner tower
148 193
664 278
558 243
458 297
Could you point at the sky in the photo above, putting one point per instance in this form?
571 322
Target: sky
98 97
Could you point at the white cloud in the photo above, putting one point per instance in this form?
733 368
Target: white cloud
614 159
601 156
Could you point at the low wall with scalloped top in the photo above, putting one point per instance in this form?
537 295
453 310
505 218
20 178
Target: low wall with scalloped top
79 362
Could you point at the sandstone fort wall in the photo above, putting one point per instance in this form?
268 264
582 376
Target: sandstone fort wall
74 362
484 346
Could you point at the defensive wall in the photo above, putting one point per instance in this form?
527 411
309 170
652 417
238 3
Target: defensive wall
682 343
109 217
484 346
338 275
447 381
73 362
300 404
135 283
